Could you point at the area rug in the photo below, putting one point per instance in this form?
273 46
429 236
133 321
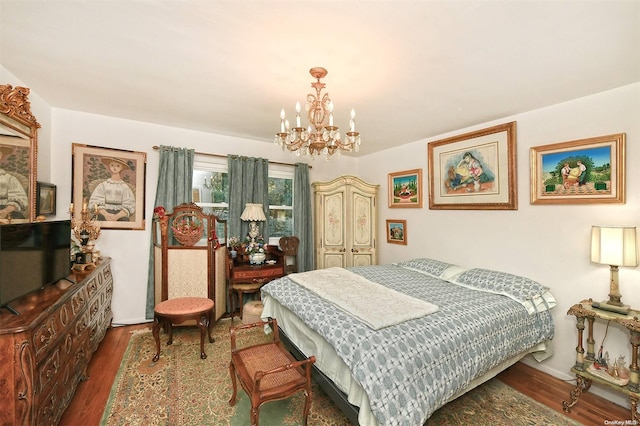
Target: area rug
180 389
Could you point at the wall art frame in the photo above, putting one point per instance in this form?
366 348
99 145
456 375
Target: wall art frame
99 171
582 171
405 189
396 231
19 148
474 171
46 199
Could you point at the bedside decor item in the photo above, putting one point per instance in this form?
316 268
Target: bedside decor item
320 136
397 231
474 171
112 180
405 189
253 213
234 243
579 172
614 246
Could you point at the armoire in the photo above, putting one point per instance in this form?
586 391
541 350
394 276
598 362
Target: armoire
345 222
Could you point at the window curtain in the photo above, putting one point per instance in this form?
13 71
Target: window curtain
248 183
302 217
175 181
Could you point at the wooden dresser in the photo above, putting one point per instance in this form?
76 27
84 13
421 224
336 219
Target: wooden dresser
44 351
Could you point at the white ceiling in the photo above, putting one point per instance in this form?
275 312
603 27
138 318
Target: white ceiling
411 69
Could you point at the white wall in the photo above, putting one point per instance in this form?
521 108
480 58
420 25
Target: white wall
548 243
129 249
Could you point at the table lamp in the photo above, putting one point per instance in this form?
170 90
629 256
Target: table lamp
253 213
614 246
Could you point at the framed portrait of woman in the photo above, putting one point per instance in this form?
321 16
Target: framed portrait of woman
474 171
110 183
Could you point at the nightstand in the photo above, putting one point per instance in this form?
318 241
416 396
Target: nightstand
583 370
248 278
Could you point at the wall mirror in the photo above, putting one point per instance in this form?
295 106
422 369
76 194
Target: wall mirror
18 156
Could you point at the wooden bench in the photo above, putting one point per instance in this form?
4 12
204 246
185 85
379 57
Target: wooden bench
268 372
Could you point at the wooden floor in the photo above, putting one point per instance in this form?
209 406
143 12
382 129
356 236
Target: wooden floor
91 395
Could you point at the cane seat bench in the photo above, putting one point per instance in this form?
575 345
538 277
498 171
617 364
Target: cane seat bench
268 372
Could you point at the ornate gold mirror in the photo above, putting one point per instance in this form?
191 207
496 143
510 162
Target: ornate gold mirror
18 156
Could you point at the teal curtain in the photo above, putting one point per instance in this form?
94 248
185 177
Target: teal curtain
175 181
302 217
248 183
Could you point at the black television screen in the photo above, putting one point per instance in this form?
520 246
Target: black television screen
32 255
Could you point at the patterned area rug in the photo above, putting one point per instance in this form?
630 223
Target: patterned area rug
183 390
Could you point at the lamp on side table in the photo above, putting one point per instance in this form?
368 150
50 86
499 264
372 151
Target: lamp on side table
615 246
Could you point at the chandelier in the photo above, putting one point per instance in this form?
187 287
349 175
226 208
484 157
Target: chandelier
320 136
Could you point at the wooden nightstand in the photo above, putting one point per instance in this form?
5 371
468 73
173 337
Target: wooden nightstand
247 278
585 310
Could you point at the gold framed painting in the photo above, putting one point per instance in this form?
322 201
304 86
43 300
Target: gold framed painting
474 171
405 189
397 231
582 171
111 184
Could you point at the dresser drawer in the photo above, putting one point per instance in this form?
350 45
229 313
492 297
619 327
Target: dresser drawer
257 274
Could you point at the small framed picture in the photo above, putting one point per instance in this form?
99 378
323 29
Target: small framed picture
405 189
46 199
397 231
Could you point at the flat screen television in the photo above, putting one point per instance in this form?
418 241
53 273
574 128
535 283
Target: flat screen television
32 255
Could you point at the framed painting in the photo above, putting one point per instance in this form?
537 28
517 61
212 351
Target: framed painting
397 231
474 171
46 200
111 183
405 189
579 172
17 168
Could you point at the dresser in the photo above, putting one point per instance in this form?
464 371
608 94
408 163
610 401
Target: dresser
44 351
345 222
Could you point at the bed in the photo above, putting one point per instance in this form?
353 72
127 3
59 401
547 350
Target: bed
401 372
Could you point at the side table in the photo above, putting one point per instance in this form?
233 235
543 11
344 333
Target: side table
585 311
248 278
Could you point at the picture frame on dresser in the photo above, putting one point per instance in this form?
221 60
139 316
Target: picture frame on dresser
583 171
397 231
98 171
405 189
46 199
475 170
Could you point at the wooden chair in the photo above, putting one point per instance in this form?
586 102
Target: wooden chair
268 372
189 272
289 247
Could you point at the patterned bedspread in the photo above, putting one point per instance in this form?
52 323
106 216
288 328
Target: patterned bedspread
411 369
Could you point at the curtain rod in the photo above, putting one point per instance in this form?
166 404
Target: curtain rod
156 147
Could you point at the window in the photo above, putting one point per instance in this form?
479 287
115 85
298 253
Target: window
211 192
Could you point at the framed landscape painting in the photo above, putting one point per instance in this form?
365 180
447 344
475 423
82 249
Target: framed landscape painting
405 189
109 182
474 171
579 172
397 231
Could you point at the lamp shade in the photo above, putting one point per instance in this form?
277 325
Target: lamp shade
614 245
253 213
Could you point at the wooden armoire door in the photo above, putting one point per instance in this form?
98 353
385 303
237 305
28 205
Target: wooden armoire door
345 222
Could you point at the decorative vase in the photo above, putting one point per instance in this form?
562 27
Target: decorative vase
234 253
257 258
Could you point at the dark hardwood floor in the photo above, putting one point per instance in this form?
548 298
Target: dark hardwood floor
91 395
